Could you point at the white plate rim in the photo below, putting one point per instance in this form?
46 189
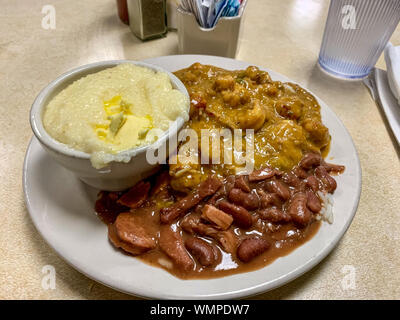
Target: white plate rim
388 102
257 289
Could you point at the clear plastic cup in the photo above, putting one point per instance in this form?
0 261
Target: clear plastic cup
356 32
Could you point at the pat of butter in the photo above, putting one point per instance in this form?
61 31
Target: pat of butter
122 129
117 121
133 132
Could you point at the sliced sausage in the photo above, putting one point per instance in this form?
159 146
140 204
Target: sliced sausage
107 207
209 186
169 214
206 188
127 233
161 183
171 243
136 195
223 191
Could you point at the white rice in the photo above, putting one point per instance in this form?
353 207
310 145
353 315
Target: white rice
165 263
326 213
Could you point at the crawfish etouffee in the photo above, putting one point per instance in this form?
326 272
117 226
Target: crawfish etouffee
199 220
286 119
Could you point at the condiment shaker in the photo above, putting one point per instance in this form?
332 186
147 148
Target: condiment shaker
147 18
122 7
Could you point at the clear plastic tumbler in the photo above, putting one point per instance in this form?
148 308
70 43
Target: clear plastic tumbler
356 32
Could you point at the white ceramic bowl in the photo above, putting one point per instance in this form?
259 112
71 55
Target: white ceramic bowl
117 175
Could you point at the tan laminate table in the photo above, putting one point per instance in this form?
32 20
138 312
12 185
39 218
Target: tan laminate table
282 35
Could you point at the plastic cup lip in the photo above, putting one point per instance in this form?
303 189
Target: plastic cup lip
59 83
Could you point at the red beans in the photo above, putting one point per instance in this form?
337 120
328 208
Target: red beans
250 248
310 160
328 183
291 179
278 187
241 217
313 183
300 172
313 202
333 168
241 182
262 174
221 215
270 199
249 201
274 215
298 209
205 253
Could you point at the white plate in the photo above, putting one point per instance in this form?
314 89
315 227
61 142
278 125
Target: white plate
388 102
61 207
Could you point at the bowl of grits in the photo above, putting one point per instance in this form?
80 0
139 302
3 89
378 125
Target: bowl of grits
101 120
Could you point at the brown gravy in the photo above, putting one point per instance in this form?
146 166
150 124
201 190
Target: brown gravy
285 239
141 227
282 246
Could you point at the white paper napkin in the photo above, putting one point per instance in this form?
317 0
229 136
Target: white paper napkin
392 58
